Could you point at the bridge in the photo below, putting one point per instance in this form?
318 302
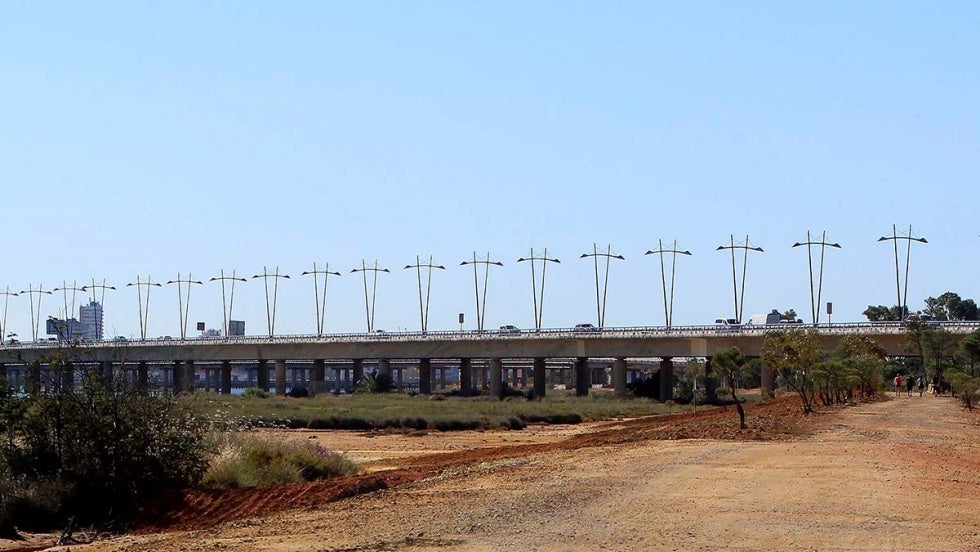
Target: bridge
491 354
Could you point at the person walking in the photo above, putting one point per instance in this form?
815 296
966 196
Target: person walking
921 384
909 383
898 384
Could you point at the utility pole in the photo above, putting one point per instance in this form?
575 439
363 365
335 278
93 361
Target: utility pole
824 244
369 306
481 309
745 247
270 314
183 306
674 252
226 308
144 304
601 312
418 266
544 260
321 310
35 315
3 323
909 238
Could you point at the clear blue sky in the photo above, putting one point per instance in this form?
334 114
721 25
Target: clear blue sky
154 138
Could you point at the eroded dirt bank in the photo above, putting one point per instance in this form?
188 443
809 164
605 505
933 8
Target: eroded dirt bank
896 475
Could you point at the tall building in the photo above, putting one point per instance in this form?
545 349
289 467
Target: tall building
91 318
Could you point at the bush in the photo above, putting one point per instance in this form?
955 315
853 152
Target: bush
967 388
249 461
255 392
94 451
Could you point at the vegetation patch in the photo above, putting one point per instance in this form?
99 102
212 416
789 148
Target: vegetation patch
247 460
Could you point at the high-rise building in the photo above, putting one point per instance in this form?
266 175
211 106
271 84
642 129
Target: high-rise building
91 318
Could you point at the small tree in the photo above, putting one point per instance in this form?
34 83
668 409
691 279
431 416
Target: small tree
731 363
792 354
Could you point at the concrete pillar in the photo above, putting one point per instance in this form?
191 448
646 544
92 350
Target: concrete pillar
442 377
105 370
3 371
189 372
465 377
619 379
176 377
384 367
539 376
280 377
357 369
318 385
142 376
32 383
262 375
225 377
710 385
496 378
67 375
666 379
425 376
583 377
768 382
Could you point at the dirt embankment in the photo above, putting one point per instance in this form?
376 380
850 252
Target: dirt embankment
897 475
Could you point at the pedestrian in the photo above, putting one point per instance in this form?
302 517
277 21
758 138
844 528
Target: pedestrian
898 384
921 384
909 383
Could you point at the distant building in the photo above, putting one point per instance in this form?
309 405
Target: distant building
236 327
211 332
65 330
91 318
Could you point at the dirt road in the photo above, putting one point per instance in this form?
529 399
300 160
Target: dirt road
896 475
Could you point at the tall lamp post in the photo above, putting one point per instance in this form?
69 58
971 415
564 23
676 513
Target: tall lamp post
418 266
270 313
35 314
369 306
909 238
183 306
745 247
674 252
824 244
143 303
608 255
226 307
3 323
321 308
544 260
481 309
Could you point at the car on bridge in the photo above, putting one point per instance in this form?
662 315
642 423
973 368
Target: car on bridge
585 327
510 329
727 324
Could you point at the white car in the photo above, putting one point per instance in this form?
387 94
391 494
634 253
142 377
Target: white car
510 329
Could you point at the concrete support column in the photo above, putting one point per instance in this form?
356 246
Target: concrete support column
318 385
619 379
425 376
357 369
666 379
189 372
32 383
465 377
142 376
540 374
384 367
176 377
3 371
67 375
280 377
105 370
442 378
583 377
710 385
496 378
768 382
225 377
262 375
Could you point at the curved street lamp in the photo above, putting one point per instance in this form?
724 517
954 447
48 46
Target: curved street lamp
183 306
609 256
321 309
544 260
270 313
418 266
824 244
902 298
144 304
674 252
369 307
226 308
745 247
481 310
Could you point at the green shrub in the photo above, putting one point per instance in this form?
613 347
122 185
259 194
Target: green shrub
245 460
94 451
255 392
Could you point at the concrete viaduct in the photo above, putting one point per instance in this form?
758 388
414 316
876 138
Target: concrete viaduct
181 359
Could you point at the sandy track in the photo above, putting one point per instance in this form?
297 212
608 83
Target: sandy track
896 475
